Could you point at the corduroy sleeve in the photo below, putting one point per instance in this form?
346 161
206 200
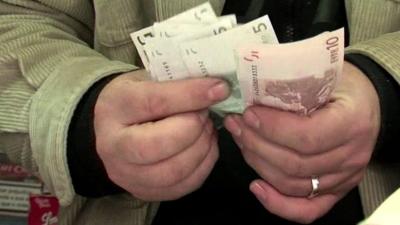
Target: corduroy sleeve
46 66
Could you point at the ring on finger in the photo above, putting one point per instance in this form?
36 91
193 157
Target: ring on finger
315 187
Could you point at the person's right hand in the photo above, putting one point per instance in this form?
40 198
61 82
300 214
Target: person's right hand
155 139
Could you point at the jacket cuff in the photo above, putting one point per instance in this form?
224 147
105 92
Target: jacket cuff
87 171
52 109
389 97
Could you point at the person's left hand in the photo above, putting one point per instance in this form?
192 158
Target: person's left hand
335 143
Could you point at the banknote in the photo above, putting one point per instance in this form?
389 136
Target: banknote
298 76
171 29
168 30
215 56
165 61
203 13
180 48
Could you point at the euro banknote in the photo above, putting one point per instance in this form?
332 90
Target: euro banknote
202 14
298 76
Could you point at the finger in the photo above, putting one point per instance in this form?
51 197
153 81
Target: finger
149 143
155 100
231 123
188 185
300 210
295 186
172 170
323 130
349 183
290 161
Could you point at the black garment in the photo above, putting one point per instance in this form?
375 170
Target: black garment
89 176
224 198
292 19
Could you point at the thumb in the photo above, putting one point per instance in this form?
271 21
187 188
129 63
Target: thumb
156 100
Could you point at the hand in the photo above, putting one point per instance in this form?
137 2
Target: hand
335 143
155 139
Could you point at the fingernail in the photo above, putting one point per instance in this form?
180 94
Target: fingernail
251 119
257 190
219 92
233 126
203 116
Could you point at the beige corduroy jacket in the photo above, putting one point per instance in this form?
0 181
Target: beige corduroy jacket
52 51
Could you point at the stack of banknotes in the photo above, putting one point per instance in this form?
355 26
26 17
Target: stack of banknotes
298 76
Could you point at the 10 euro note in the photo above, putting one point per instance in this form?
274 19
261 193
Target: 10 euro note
298 76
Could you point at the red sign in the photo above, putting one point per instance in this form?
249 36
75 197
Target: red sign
43 210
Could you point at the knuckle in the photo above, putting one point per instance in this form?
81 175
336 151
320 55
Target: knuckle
115 176
193 131
366 126
193 126
101 148
121 145
195 122
283 186
365 132
248 141
361 161
295 167
139 155
198 95
291 188
141 150
101 110
309 143
355 181
152 151
156 104
138 150
193 184
249 158
173 175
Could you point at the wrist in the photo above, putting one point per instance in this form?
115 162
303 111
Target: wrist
87 171
388 91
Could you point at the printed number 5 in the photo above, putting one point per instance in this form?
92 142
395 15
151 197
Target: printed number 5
260 27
